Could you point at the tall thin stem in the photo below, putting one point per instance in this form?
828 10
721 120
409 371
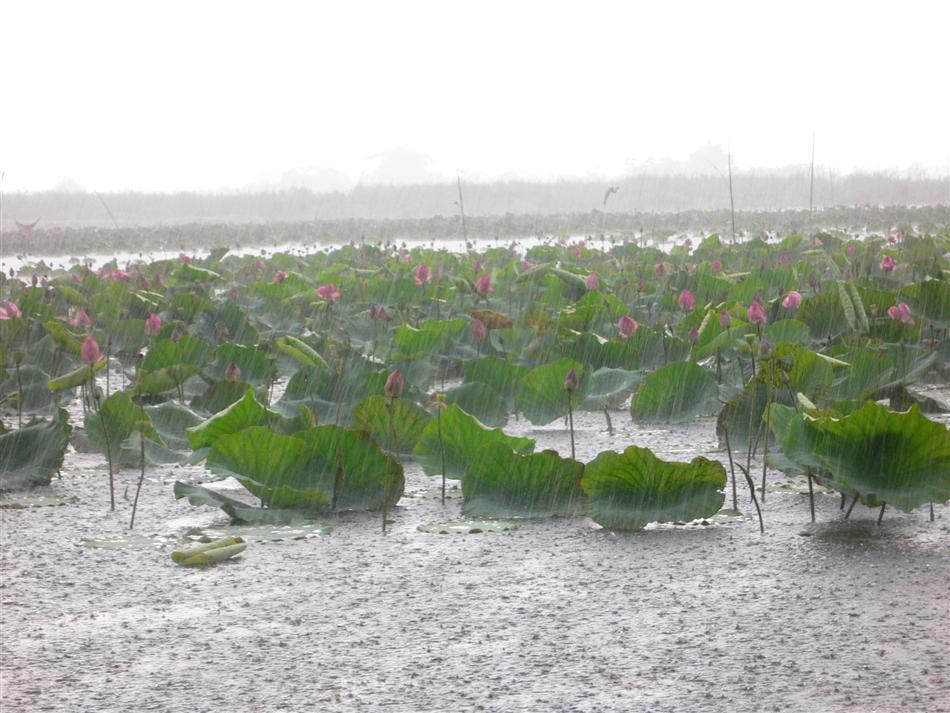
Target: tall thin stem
138 488
438 421
570 421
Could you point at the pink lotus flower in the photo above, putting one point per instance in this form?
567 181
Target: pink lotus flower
891 239
232 372
75 278
687 300
184 258
81 319
660 269
478 330
571 382
888 264
8 310
120 275
628 326
394 384
526 264
900 312
378 313
818 242
756 313
279 276
793 300
716 266
153 325
592 281
688 243
725 319
422 274
329 292
89 352
483 285
783 260
851 249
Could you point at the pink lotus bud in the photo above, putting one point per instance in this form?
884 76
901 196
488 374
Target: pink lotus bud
756 313
592 281
765 349
688 243
477 267
818 242
159 280
329 292
660 269
75 278
153 325
279 276
526 264
81 319
716 266
627 326
394 384
12 310
891 239
783 260
232 372
851 249
793 300
184 258
422 274
478 330
888 264
233 293
725 319
89 352
900 312
686 300
121 275
571 381
260 264
693 335
483 285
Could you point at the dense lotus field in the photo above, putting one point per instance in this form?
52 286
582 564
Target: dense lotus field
311 379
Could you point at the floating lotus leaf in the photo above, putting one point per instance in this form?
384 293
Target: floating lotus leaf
463 437
372 414
629 490
541 395
898 458
501 483
676 392
29 456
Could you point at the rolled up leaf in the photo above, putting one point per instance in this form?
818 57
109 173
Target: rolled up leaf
182 555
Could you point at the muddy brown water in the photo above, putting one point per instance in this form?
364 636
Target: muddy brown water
557 615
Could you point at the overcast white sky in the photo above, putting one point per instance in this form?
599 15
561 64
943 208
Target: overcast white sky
206 95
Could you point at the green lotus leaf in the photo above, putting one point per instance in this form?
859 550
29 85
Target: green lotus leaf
68 341
256 368
824 315
609 388
429 338
126 335
221 394
676 392
239 512
193 273
790 331
629 490
882 456
501 484
164 379
480 400
300 351
243 413
29 456
28 390
463 438
183 351
499 374
372 415
541 395
172 421
117 419
930 300
874 370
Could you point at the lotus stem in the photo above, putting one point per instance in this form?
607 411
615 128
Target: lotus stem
138 488
732 469
931 512
851 507
811 495
19 396
755 501
881 514
391 437
105 436
768 427
610 425
338 479
570 423
843 500
438 421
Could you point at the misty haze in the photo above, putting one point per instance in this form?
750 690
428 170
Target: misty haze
517 357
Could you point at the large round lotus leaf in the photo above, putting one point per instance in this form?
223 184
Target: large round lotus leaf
115 421
499 374
480 400
463 438
930 300
170 352
898 458
255 367
873 370
501 483
541 395
172 420
610 387
629 490
30 455
243 413
824 315
394 424
676 392
429 338
790 331
270 465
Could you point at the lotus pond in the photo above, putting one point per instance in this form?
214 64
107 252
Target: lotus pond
577 476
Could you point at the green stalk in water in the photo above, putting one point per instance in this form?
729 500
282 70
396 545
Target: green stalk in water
138 487
571 382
